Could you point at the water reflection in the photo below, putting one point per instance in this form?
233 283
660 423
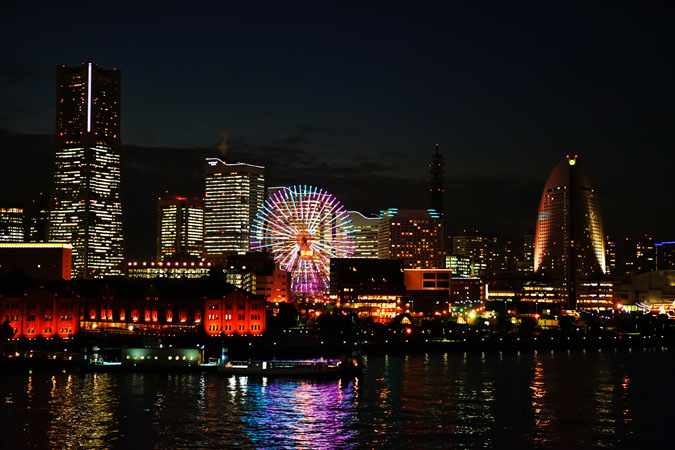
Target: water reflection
561 399
288 413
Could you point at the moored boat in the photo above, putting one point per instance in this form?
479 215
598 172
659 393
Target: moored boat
292 368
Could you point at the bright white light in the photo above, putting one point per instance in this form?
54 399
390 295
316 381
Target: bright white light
89 99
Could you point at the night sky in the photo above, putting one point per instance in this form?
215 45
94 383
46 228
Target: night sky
352 97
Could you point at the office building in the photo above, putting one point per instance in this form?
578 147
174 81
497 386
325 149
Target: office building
180 227
474 246
414 236
461 266
365 234
86 205
37 219
610 255
665 255
526 260
11 225
569 239
233 194
639 255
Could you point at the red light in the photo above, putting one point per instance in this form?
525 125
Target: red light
408 330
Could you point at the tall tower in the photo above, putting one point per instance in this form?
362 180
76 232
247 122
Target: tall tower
569 244
436 186
180 227
86 207
234 192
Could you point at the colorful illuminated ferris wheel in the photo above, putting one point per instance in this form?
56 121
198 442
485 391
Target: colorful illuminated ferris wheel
303 227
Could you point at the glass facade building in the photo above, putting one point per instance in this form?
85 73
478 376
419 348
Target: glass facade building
233 194
86 207
569 240
365 234
180 227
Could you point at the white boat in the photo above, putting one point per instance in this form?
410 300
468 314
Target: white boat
291 368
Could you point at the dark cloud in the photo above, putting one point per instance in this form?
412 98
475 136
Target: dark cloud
500 200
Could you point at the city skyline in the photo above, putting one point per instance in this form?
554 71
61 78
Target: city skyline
603 94
337 224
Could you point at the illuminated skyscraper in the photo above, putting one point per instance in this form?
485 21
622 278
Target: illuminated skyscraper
610 255
365 235
234 192
526 262
86 208
569 244
11 225
436 185
180 227
414 236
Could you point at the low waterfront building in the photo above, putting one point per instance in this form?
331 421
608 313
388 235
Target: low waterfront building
120 306
37 260
653 290
427 291
168 269
372 288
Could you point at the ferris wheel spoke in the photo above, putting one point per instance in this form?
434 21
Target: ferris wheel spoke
303 227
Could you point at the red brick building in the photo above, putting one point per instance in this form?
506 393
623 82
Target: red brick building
131 306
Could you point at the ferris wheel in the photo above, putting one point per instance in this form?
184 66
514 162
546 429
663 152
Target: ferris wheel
303 227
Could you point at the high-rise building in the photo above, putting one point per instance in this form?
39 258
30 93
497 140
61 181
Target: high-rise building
639 255
86 207
437 183
412 235
37 219
526 261
472 245
569 240
180 227
365 234
665 255
233 194
11 225
502 255
610 255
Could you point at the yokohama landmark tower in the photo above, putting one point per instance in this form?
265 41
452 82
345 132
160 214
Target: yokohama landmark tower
569 239
86 209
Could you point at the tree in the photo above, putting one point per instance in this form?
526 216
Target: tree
6 330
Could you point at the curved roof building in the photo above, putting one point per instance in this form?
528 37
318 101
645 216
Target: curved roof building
569 240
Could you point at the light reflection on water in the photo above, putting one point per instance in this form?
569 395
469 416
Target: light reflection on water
560 399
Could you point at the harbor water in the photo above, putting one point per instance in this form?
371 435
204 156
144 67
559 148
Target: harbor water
533 399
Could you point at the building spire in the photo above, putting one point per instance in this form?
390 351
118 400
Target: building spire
436 187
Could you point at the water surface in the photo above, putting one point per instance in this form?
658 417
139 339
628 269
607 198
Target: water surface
552 399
